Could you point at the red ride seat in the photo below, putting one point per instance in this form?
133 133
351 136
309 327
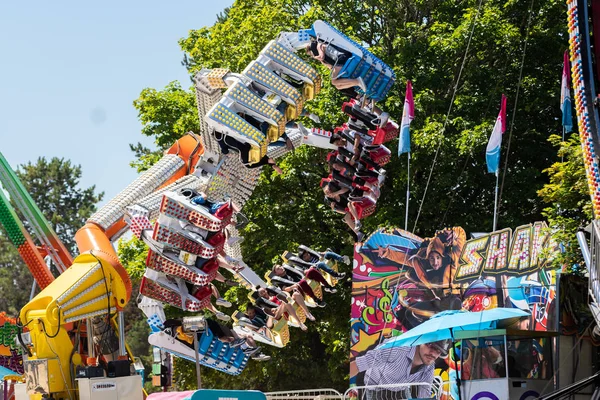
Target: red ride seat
365 206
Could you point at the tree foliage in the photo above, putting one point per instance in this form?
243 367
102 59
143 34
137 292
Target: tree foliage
424 41
166 115
567 194
54 186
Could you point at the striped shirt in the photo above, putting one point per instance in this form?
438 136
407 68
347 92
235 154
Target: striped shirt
392 366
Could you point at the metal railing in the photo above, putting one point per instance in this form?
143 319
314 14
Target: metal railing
309 394
592 259
397 391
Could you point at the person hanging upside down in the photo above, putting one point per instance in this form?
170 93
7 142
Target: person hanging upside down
202 199
290 279
227 142
335 62
222 332
342 171
272 295
204 294
211 268
337 197
320 265
277 310
324 255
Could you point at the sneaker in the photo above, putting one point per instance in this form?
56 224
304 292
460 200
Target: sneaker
330 290
375 190
252 351
231 260
230 282
223 317
321 304
357 226
361 84
383 119
222 302
237 342
339 275
314 118
346 260
234 239
261 357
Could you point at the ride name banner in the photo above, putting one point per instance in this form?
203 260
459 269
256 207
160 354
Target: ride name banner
400 280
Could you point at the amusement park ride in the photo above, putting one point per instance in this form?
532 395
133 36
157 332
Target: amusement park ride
186 208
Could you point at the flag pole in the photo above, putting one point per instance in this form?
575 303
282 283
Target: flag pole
563 139
496 203
407 192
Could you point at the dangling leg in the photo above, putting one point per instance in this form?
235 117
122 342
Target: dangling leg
300 300
315 275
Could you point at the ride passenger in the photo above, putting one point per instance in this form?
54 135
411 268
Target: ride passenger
273 299
339 202
204 294
290 279
306 261
227 142
335 64
223 333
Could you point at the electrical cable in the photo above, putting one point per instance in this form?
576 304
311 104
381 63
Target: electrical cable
44 327
437 151
61 371
108 316
512 122
440 143
72 366
453 193
567 356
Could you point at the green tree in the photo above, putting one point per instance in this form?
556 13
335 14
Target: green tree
54 186
426 42
166 116
567 194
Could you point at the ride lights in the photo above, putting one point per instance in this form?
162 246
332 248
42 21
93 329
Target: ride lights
225 116
262 75
245 97
86 304
215 78
290 60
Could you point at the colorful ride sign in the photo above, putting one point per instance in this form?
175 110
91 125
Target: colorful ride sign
401 280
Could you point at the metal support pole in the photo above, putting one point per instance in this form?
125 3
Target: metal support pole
585 250
195 325
32 294
557 338
197 354
122 347
90 339
496 204
407 192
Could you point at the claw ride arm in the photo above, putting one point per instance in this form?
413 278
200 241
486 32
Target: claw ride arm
96 283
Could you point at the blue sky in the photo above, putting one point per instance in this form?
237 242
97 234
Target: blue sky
70 71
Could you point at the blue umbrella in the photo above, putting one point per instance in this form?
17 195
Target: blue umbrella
445 324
